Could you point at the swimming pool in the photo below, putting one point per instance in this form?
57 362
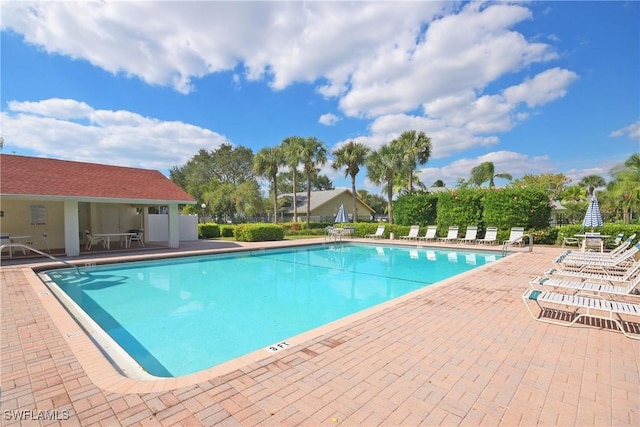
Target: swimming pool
179 316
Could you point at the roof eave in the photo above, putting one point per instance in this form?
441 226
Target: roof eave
55 198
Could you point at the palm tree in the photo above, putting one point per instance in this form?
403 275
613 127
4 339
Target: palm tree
292 149
591 182
266 163
627 185
382 167
484 172
417 149
352 155
313 153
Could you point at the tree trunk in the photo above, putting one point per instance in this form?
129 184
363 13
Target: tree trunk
355 199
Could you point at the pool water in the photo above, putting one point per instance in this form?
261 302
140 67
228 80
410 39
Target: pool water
180 316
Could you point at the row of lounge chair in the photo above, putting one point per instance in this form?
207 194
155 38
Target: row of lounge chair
490 237
593 288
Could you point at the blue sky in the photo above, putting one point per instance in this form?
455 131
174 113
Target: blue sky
534 87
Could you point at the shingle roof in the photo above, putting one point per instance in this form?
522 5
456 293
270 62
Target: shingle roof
318 198
25 176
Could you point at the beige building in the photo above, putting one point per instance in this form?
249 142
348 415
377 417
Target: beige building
324 205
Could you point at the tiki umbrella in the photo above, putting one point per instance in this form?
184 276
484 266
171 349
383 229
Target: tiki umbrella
341 217
593 217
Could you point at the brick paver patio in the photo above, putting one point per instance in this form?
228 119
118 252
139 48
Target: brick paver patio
465 352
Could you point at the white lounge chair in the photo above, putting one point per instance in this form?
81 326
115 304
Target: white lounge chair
595 255
622 275
413 233
490 236
515 236
379 234
620 261
452 234
470 235
431 233
566 310
620 288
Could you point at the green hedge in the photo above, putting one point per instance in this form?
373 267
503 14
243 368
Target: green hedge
415 209
259 232
208 230
227 230
461 207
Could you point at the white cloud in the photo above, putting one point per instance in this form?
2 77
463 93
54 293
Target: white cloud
632 131
516 164
543 88
69 129
328 119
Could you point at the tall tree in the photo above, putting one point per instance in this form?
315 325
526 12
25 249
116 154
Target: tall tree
266 163
626 185
553 184
591 182
292 149
314 152
382 167
417 150
351 156
486 172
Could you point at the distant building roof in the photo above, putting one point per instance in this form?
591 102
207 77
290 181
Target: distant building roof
318 198
23 176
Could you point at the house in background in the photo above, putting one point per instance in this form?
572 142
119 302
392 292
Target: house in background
324 205
63 198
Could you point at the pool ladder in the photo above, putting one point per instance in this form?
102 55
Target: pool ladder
23 246
518 242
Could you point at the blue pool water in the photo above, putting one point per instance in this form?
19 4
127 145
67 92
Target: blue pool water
180 316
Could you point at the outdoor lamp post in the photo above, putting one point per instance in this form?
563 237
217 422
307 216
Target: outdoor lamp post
204 205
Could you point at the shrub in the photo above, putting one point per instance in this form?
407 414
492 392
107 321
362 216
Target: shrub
227 230
259 232
506 208
208 230
461 207
412 209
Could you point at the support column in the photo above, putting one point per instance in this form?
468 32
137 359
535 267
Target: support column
174 227
71 228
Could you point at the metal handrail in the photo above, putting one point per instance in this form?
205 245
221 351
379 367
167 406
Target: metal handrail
507 244
23 246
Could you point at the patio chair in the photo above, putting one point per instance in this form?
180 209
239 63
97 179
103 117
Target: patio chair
431 234
137 237
379 234
452 234
593 241
490 236
578 307
608 265
515 236
470 235
5 240
92 240
413 233
41 242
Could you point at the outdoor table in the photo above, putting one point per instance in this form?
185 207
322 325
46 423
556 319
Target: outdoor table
108 236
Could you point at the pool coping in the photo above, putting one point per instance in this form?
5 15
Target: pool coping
105 375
